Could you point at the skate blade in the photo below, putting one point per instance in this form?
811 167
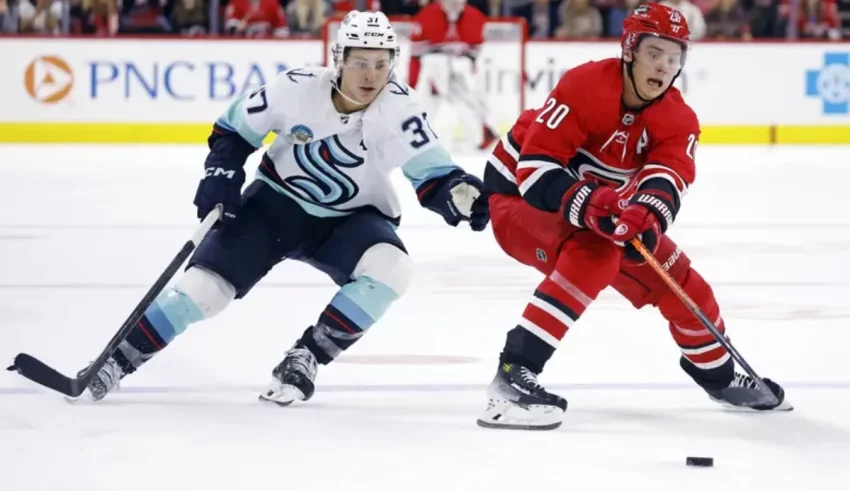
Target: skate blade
503 414
502 426
785 406
82 400
281 395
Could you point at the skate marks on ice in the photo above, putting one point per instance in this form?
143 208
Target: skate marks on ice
618 439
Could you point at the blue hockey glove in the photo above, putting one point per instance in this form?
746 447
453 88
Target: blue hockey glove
223 174
222 186
457 197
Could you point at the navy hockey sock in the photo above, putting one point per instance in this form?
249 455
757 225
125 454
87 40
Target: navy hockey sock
165 319
353 310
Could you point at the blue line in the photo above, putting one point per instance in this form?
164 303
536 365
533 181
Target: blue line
391 388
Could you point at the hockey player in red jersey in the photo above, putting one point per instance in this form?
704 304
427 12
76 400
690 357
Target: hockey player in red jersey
445 47
607 158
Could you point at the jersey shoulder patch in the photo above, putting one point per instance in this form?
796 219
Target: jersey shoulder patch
296 82
304 74
398 88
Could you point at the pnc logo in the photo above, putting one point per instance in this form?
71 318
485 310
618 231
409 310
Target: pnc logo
48 79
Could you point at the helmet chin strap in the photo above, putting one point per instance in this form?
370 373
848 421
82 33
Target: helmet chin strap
344 96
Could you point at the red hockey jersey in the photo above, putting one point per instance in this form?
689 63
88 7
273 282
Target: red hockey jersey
583 131
434 32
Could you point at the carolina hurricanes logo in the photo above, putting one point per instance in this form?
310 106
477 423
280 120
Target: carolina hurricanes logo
586 165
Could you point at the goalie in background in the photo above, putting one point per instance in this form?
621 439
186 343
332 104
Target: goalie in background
445 46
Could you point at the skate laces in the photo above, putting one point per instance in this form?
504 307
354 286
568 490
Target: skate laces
529 378
110 374
302 359
107 378
743 381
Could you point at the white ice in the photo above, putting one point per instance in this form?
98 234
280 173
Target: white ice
84 231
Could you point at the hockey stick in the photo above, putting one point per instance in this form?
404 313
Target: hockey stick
39 372
769 398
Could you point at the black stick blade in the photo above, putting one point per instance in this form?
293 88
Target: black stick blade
35 370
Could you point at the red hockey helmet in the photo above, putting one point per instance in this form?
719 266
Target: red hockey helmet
654 19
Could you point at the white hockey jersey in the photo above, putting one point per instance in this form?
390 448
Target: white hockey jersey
332 163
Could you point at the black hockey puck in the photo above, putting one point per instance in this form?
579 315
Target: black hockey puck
700 461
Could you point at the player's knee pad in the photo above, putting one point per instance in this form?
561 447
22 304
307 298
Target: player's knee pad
387 264
208 291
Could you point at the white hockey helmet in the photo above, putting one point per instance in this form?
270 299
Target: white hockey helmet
370 30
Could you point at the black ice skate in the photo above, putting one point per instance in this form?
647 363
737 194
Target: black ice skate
518 402
293 378
743 392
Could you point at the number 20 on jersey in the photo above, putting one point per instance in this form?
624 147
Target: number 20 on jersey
552 118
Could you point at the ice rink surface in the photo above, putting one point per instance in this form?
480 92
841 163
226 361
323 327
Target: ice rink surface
84 231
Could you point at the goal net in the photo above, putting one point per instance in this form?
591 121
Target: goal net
498 78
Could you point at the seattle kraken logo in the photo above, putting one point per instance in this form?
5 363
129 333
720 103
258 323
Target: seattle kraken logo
321 160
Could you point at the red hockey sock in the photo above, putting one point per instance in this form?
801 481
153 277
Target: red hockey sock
696 342
586 265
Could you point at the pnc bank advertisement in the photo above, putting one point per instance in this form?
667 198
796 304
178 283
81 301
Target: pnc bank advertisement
139 81
802 89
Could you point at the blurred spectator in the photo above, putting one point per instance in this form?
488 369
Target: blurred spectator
693 16
482 5
342 7
540 15
495 8
98 17
189 17
727 20
45 17
306 16
818 19
8 17
255 18
704 5
766 21
617 14
143 17
402 7
579 19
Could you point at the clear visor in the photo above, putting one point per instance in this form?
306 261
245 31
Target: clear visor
668 56
363 65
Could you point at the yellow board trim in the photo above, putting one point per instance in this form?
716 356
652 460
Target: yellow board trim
825 135
189 133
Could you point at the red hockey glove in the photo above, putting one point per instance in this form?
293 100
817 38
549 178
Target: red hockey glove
588 205
647 217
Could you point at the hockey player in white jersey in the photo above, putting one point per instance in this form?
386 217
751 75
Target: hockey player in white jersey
322 195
